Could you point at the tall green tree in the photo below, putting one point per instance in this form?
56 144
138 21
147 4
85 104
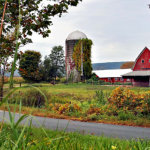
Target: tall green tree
29 66
47 70
57 61
53 65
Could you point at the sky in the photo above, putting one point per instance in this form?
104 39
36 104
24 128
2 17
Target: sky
119 29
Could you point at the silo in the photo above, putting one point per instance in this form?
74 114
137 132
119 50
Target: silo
71 40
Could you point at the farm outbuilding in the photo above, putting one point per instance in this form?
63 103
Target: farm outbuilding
113 75
141 69
71 40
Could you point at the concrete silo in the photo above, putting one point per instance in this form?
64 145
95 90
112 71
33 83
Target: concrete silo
71 40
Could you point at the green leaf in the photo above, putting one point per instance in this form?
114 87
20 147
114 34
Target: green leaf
20 119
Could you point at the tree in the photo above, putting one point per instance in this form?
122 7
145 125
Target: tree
35 16
47 70
127 65
8 48
53 65
28 16
29 66
57 61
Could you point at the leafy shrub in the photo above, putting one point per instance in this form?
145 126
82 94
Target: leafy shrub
31 97
93 109
66 108
127 100
125 115
118 83
99 95
92 117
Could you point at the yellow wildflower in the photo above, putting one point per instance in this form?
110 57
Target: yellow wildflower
113 147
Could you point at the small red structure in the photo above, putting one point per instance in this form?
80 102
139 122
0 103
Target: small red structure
113 75
141 69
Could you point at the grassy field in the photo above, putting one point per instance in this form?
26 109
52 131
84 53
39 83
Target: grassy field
85 102
45 139
77 102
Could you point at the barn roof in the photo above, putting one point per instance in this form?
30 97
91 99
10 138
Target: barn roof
111 73
76 35
137 73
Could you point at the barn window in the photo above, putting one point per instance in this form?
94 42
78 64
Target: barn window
121 79
142 60
108 79
128 79
115 79
149 60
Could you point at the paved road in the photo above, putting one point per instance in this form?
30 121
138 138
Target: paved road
115 131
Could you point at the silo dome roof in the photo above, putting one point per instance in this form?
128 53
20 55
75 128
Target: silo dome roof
76 35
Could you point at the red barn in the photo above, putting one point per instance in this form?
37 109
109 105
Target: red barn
113 75
141 69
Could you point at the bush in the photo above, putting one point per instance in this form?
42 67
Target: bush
62 80
66 108
99 95
31 97
127 100
18 80
125 116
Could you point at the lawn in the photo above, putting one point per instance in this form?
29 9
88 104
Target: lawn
83 102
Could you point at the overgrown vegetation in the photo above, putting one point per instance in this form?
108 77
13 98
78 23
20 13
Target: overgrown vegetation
84 45
89 103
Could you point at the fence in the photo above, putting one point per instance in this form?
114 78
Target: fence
105 83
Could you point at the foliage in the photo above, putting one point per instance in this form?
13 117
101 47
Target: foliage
53 65
84 96
128 101
94 110
35 16
29 98
31 16
127 65
7 50
29 66
86 45
99 95
68 108
36 138
62 80
46 70
94 77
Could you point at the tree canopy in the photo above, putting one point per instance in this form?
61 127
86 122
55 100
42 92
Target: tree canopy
54 64
29 66
127 65
35 16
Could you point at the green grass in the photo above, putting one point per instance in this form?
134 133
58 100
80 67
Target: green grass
13 136
73 141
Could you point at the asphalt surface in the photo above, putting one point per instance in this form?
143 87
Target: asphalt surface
108 130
